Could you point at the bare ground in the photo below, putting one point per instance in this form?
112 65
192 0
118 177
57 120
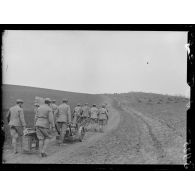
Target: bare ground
131 137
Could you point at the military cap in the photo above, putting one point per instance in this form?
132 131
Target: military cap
36 104
78 104
53 101
48 100
19 101
103 105
94 104
64 100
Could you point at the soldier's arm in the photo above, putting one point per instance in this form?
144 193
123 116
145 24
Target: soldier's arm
69 114
36 116
81 112
56 112
107 114
51 119
21 115
98 112
8 116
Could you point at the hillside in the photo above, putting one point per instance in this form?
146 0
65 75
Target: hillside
13 92
143 128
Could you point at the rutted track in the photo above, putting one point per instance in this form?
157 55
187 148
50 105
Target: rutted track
161 144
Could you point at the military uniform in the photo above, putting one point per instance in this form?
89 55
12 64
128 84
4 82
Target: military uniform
77 113
43 119
63 115
85 111
103 116
16 120
94 114
54 107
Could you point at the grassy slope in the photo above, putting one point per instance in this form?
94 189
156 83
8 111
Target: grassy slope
170 110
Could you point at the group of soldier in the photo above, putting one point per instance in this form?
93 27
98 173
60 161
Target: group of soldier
50 116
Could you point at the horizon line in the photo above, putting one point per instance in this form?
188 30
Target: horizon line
101 93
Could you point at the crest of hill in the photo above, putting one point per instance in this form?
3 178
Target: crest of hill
134 97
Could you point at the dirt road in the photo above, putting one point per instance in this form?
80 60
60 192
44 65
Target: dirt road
129 138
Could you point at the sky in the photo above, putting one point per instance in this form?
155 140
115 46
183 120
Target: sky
97 61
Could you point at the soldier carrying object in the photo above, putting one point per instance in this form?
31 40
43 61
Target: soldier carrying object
16 121
77 113
103 117
35 110
63 118
44 118
36 107
106 107
53 105
85 111
94 114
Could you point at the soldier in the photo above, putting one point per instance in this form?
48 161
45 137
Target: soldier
44 118
94 114
103 117
63 115
15 118
85 111
77 113
53 106
35 110
106 107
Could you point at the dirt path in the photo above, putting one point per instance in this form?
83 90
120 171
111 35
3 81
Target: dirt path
65 153
160 144
130 137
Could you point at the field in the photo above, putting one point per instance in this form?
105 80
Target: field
143 128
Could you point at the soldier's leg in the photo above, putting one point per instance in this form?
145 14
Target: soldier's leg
96 124
47 137
45 144
100 125
40 138
14 136
20 137
60 130
41 143
63 132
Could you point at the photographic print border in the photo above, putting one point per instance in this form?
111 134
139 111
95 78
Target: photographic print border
190 142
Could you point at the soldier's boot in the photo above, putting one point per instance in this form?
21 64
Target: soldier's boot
14 144
41 147
45 144
101 129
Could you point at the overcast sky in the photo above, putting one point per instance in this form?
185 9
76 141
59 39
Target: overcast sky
97 62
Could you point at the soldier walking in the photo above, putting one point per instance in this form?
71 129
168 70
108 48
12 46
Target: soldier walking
35 111
77 113
63 116
16 121
53 105
44 118
94 115
85 112
103 117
